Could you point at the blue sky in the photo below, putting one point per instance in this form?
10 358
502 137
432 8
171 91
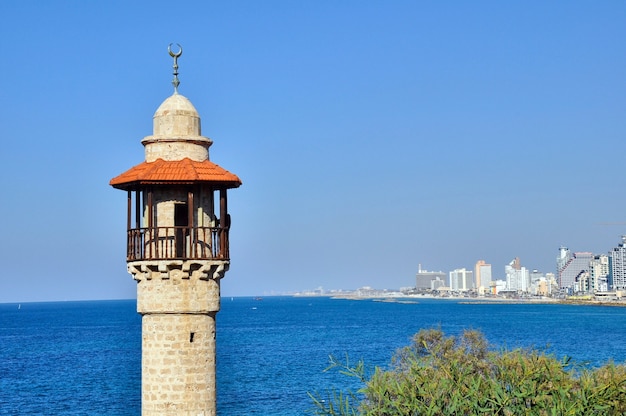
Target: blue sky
370 135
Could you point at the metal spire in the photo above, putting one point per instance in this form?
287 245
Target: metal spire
175 55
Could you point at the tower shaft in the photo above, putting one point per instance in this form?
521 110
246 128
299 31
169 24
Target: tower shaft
178 364
178 301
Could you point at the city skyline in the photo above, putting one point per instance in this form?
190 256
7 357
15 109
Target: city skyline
369 136
602 272
576 272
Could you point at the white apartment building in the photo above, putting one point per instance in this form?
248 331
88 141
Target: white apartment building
617 266
598 273
461 279
517 277
498 286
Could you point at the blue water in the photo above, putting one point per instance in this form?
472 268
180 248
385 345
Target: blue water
84 358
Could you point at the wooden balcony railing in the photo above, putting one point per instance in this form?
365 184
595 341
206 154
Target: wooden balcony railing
164 243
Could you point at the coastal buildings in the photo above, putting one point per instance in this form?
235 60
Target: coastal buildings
552 283
542 284
572 269
617 266
482 273
578 273
177 251
517 277
461 280
498 286
599 269
427 280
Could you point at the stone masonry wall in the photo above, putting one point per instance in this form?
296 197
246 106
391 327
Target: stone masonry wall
178 301
178 365
174 150
174 290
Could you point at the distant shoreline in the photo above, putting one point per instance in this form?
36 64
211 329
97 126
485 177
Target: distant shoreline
465 300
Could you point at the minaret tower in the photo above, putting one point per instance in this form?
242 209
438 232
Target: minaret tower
177 251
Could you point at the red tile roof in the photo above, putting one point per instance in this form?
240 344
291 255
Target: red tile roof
184 171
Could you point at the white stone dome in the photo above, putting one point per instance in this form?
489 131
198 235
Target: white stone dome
176 117
176 132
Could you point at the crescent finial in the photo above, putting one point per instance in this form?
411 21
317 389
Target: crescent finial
175 55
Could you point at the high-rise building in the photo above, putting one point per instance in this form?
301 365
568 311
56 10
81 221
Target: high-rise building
517 277
571 267
482 273
562 259
538 283
424 279
599 270
461 279
617 266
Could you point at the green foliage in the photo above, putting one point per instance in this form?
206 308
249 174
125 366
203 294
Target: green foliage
447 375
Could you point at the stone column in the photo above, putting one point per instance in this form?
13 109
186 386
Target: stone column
178 365
178 301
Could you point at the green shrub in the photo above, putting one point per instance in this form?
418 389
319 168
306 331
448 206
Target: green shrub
447 375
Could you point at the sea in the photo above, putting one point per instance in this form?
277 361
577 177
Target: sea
84 358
